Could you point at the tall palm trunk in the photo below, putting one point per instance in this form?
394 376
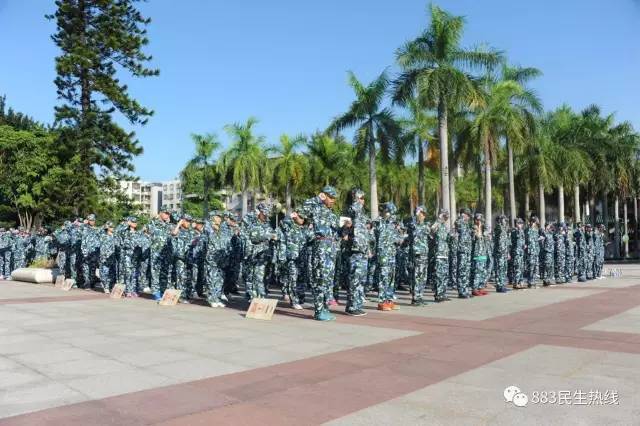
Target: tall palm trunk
205 181
527 207
616 216
561 203
487 187
287 196
626 229
373 178
576 203
541 205
452 194
512 190
605 211
245 196
420 170
444 154
635 224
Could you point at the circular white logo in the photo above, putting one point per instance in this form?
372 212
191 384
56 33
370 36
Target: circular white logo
510 392
520 400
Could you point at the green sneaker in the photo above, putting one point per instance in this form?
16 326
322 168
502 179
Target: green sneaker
323 316
330 315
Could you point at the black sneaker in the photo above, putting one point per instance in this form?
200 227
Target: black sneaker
356 313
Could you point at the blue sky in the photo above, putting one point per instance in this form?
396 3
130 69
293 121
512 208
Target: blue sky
285 61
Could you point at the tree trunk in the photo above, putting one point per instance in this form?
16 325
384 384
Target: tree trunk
616 228
561 203
527 207
444 154
452 195
512 190
487 187
287 196
245 196
541 205
205 179
576 203
626 229
373 178
420 170
635 224
605 212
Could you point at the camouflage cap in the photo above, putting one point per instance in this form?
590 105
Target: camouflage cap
164 209
519 221
330 191
215 213
421 209
465 211
389 207
534 219
187 217
199 221
357 193
132 219
91 217
264 208
107 225
478 216
444 212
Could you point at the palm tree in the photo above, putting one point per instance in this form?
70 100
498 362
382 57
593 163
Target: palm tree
418 132
374 123
435 68
290 166
206 145
245 162
520 125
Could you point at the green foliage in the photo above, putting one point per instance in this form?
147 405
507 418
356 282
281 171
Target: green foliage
42 262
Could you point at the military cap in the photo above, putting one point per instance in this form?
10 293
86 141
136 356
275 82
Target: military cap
519 221
357 193
444 212
330 191
199 220
132 219
389 207
91 217
465 211
187 217
214 213
533 219
264 208
164 209
421 209
107 225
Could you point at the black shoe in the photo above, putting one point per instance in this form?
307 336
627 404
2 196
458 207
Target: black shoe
446 298
439 299
463 296
418 303
356 313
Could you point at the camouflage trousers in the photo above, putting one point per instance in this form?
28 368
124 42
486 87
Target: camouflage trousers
559 268
61 261
183 278
371 274
5 263
386 278
290 281
214 282
128 273
501 271
516 269
108 273
547 268
581 269
323 260
255 279
160 266
419 277
569 267
589 268
357 281
71 262
533 266
19 260
441 276
90 264
463 274
479 271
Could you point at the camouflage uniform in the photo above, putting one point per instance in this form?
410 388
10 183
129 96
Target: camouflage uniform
215 257
560 259
548 250
599 251
107 259
532 237
388 239
325 229
293 239
357 246
160 253
581 253
569 256
419 255
501 251
61 236
463 253
128 242
234 255
480 250
20 254
590 253
90 248
516 263
181 244
75 252
260 234
441 256
5 253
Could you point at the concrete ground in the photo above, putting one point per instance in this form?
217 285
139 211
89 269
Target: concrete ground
78 357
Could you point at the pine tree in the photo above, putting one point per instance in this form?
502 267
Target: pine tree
99 40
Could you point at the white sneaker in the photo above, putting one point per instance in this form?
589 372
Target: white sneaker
147 290
297 306
106 291
224 297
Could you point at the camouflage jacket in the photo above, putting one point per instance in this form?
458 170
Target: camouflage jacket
419 238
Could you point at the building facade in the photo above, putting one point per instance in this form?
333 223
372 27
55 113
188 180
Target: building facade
150 196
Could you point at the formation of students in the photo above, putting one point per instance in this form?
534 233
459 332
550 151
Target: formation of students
313 249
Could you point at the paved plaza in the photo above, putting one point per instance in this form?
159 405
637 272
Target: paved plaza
80 358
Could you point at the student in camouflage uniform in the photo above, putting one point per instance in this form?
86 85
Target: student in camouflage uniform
548 251
501 251
260 235
215 257
325 228
182 237
532 247
440 234
107 257
418 239
234 255
388 239
569 255
357 252
479 256
5 243
581 253
21 243
129 241
599 251
160 252
371 260
516 264
195 263
294 236
61 237
463 254
90 248
560 256
590 252
75 252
